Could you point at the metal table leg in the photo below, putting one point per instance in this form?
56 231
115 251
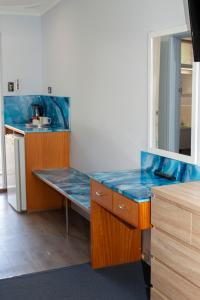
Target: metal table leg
67 216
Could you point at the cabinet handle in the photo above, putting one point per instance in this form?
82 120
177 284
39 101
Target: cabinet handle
99 194
122 206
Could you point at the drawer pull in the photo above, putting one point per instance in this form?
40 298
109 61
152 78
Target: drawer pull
99 194
122 206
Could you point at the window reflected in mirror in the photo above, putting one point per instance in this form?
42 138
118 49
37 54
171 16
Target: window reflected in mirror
172 92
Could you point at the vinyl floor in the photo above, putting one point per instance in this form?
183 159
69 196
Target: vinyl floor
37 242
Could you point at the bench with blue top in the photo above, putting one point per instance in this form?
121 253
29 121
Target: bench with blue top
73 185
133 184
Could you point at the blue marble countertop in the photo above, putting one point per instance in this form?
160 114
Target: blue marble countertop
75 185
69 182
21 128
133 184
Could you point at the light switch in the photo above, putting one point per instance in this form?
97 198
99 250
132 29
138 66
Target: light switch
11 86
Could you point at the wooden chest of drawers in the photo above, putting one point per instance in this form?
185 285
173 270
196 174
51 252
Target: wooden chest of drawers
175 242
132 212
116 224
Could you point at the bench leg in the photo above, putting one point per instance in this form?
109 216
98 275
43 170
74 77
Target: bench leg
67 216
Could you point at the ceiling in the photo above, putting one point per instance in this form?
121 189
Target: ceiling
26 7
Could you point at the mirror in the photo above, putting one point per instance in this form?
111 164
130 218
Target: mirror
172 101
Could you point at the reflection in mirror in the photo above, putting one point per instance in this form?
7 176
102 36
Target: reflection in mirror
172 92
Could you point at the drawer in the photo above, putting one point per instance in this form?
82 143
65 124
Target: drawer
125 209
176 255
155 295
171 284
101 194
171 219
195 239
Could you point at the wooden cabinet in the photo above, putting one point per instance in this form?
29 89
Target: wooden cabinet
113 242
44 150
130 211
116 224
175 242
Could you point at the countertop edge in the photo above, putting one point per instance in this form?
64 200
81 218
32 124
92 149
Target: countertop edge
15 129
11 127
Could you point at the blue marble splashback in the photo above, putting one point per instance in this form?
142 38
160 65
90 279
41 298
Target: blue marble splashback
167 166
150 162
18 110
58 109
72 183
173 168
191 173
183 172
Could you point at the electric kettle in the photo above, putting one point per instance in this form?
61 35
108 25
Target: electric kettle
37 111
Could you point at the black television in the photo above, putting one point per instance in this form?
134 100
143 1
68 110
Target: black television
194 13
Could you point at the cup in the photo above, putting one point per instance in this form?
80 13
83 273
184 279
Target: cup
45 121
36 122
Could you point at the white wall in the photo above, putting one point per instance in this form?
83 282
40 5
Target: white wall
96 52
22 53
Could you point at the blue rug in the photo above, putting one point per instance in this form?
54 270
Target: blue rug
125 282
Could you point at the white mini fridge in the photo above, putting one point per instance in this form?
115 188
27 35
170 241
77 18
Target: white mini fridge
15 167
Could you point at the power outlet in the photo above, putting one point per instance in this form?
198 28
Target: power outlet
49 90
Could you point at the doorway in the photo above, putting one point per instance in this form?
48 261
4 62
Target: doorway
3 184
